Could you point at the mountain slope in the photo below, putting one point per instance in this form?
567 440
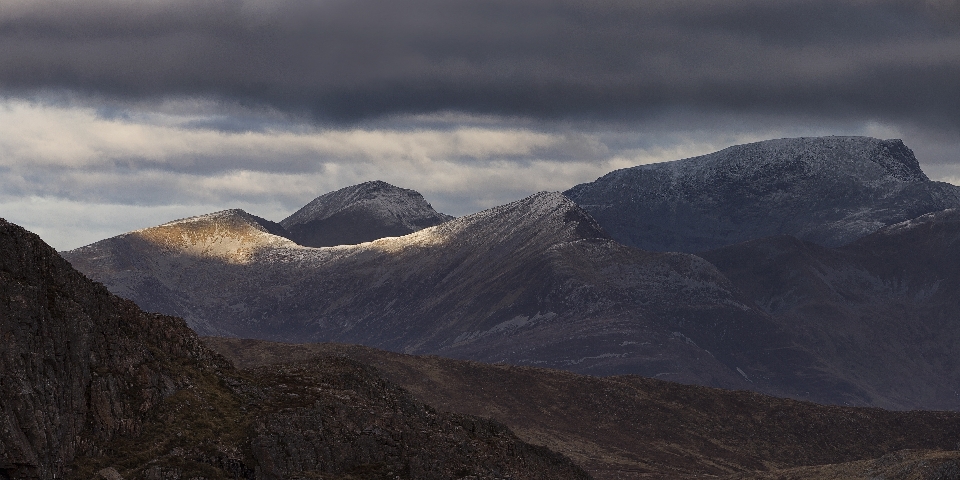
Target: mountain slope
78 366
124 263
629 427
828 190
533 282
91 386
882 311
361 213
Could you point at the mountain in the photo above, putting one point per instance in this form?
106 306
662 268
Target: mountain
181 248
361 213
630 427
881 311
533 282
93 387
828 190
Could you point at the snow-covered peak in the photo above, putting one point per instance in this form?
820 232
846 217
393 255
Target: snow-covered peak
543 213
390 203
827 190
549 217
868 158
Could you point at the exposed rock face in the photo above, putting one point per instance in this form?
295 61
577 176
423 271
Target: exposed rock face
92 386
629 427
829 190
80 367
883 311
361 213
533 282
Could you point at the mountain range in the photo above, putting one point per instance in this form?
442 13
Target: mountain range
532 282
541 282
93 387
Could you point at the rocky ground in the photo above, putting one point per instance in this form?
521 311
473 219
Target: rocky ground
630 427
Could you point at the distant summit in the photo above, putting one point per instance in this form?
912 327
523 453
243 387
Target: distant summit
361 213
828 190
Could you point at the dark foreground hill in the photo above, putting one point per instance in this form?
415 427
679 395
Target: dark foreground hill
533 282
828 190
883 312
91 386
630 427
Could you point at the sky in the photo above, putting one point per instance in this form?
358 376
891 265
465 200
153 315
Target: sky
123 114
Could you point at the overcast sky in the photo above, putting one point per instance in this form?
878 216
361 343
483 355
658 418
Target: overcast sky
123 114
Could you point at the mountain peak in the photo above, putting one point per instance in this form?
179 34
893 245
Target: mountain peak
864 158
549 217
230 219
232 235
361 213
828 190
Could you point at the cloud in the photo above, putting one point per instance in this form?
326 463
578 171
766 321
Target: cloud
346 61
77 173
177 107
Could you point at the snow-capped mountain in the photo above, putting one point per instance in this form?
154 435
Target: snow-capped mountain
828 190
533 282
361 213
540 282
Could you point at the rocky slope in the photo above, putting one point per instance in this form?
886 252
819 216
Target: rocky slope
361 213
79 366
534 282
829 190
90 386
882 311
629 427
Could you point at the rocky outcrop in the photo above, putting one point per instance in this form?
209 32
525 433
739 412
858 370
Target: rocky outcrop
80 367
361 213
828 190
91 386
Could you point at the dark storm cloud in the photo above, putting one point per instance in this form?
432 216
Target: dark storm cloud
347 60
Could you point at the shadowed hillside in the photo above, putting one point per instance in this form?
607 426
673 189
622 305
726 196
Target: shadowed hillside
635 427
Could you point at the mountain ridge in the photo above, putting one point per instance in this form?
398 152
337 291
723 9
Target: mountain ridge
829 190
535 282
